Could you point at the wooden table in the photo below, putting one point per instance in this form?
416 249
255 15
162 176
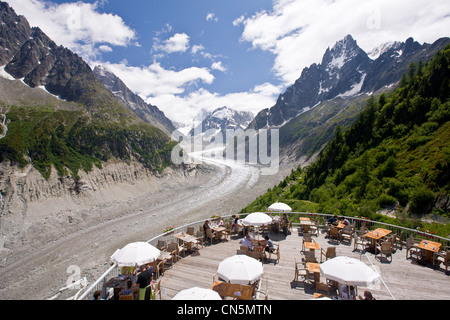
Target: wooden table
376 235
219 231
314 268
312 246
118 283
305 222
238 291
430 248
187 238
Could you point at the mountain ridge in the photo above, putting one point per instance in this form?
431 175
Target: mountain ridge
345 70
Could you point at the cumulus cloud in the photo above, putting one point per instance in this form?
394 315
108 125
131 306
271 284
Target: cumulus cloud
298 32
211 17
154 80
218 66
78 26
184 108
179 42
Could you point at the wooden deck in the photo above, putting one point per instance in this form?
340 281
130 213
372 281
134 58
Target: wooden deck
402 279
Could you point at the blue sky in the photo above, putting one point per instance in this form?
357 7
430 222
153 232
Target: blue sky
184 55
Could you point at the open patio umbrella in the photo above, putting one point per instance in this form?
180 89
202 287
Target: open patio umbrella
257 219
197 293
240 269
135 254
280 207
349 271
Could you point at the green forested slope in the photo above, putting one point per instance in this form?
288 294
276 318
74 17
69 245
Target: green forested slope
396 154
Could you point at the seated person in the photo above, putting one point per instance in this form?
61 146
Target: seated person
247 242
269 246
333 220
219 222
345 294
128 290
367 296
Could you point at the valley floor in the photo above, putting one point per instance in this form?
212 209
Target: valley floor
91 232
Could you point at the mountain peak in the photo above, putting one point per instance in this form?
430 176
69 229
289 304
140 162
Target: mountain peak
342 52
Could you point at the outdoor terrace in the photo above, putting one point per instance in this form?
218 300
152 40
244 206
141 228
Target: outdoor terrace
402 278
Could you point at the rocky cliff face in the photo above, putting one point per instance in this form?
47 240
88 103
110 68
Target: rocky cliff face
345 71
147 112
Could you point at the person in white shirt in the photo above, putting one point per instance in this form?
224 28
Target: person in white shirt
246 242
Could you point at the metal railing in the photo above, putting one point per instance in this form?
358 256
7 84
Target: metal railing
400 231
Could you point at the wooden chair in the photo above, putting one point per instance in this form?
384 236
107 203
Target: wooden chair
259 253
329 254
172 248
385 248
190 230
314 229
200 238
276 252
398 240
306 238
360 240
244 248
444 257
126 296
227 233
412 247
157 290
300 271
181 249
347 234
211 236
158 266
334 233
323 287
161 245
310 256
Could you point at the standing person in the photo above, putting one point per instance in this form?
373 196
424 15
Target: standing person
144 281
285 224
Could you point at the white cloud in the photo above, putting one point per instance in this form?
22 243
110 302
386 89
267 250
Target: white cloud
179 42
211 17
238 21
196 48
218 66
183 109
77 25
154 80
299 31
168 89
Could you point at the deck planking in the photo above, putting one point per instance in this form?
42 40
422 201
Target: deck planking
405 279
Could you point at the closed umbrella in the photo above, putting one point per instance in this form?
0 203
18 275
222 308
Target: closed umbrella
135 254
280 207
257 219
349 271
240 269
197 293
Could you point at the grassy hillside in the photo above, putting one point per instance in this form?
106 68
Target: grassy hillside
73 137
396 154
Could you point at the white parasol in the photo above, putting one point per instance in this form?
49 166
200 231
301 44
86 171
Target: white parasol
280 207
197 293
349 271
135 254
240 269
257 219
